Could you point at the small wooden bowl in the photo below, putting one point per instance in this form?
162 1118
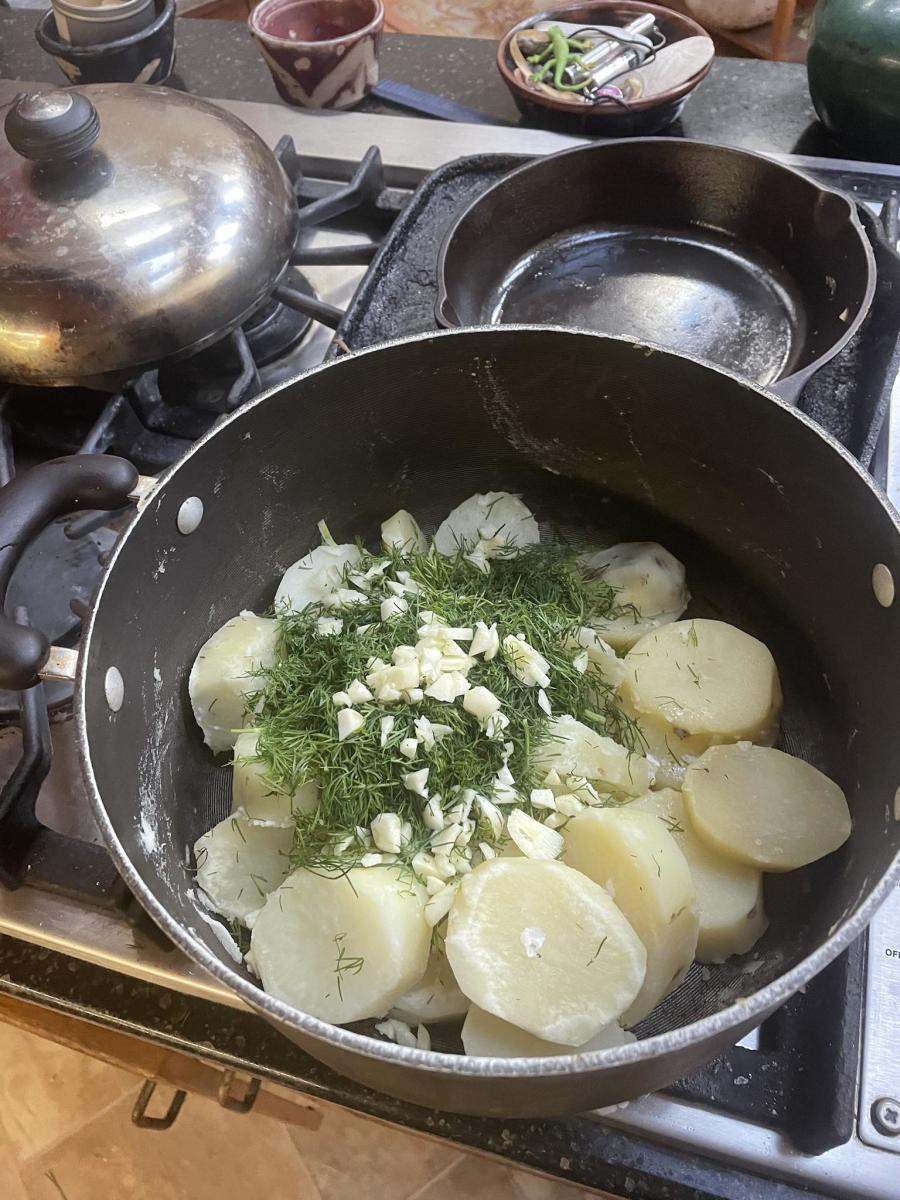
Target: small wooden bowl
606 118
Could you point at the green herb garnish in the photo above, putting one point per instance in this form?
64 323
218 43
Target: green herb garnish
539 593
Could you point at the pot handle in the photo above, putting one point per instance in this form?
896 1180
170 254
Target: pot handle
28 504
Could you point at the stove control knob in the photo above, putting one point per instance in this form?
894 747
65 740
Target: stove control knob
52 126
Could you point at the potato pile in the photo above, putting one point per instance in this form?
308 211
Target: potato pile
618 872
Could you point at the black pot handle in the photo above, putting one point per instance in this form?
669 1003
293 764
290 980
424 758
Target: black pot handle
27 505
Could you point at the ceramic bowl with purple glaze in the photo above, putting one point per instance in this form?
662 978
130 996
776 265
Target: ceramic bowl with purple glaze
321 53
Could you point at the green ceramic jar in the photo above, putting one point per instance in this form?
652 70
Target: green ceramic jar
854 74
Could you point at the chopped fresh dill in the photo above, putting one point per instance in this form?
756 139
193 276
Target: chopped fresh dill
538 593
692 638
345 962
672 824
597 951
239 932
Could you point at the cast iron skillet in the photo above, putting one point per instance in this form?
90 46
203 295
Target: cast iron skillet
714 252
606 438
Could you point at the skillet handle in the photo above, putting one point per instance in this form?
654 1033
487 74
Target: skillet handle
28 504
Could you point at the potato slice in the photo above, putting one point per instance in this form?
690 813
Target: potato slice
313 577
649 580
253 795
436 997
668 752
401 532
494 516
345 947
703 683
238 864
486 1036
226 671
539 945
729 894
765 808
574 749
635 858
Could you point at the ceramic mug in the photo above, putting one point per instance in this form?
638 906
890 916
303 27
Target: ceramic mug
147 56
321 53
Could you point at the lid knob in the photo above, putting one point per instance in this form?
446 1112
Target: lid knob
52 126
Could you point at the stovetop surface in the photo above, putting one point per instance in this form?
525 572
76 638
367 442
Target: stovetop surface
738 1110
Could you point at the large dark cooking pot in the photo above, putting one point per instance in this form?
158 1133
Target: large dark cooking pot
782 534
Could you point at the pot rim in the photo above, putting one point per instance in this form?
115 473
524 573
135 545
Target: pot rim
253 21
790 383
742 1013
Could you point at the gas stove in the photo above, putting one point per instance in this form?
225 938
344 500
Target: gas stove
811 1097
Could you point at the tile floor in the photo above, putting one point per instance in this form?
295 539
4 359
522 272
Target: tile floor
66 1134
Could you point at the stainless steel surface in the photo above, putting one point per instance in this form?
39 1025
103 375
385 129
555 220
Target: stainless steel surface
86 931
411 148
142 489
62 664
853 1171
162 238
880 1077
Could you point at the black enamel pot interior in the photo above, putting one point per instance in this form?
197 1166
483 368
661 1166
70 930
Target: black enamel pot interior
606 439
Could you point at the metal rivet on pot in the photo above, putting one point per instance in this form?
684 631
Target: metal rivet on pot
189 515
883 585
114 687
886 1116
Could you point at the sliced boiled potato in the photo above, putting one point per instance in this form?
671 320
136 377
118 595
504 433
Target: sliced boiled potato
765 808
729 893
401 532
541 946
703 683
669 751
253 794
314 577
342 947
494 516
238 864
226 671
436 997
574 749
635 858
650 584
486 1036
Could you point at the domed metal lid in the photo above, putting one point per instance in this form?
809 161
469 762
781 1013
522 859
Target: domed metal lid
138 224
